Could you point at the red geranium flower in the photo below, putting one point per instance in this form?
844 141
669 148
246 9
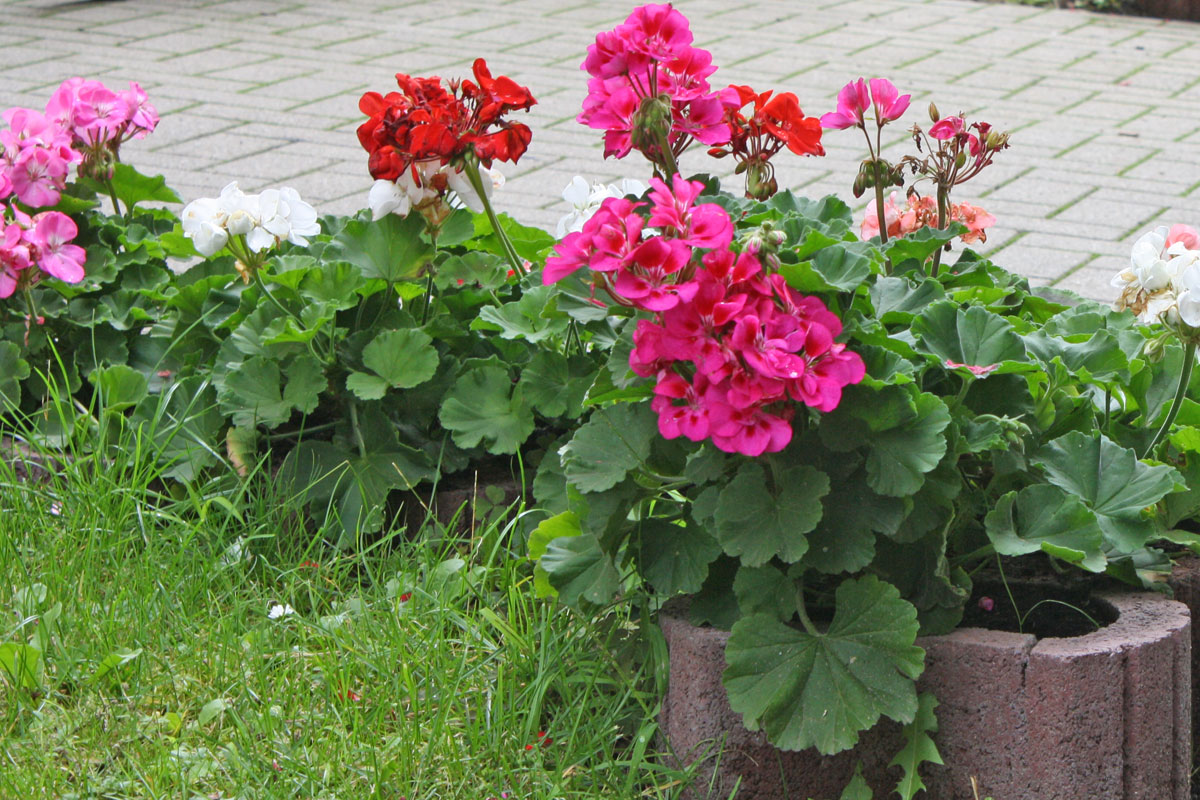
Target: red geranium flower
426 122
776 122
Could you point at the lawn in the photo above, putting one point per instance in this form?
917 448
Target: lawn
205 643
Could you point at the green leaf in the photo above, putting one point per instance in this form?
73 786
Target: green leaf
1097 356
918 748
400 360
612 442
526 318
334 284
756 524
840 267
898 300
811 689
674 558
902 431
1111 481
132 187
1050 520
580 570
844 540
120 387
22 665
252 394
550 387
305 382
211 710
919 246
561 525
391 248
112 664
13 370
765 590
857 788
975 337
185 425
474 268
482 406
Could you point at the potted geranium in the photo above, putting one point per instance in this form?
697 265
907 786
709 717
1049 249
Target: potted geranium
819 440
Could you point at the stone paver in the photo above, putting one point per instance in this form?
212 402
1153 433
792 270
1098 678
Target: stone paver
1105 109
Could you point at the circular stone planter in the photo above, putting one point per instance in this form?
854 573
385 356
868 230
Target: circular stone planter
1106 715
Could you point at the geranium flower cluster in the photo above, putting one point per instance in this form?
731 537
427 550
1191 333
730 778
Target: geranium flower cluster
249 224
84 123
1162 281
422 137
100 120
649 89
732 345
920 212
776 122
36 154
33 247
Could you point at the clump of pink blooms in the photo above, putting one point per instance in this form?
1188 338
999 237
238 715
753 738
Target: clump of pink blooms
731 345
32 247
649 89
920 212
84 124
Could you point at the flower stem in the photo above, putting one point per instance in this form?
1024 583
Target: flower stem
1185 375
668 155
358 437
472 170
112 194
942 198
262 285
802 612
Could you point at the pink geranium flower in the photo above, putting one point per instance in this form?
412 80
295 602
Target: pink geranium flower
51 236
853 102
947 128
889 103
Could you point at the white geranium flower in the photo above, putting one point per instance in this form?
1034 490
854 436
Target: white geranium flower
1188 301
465 191
242 210
278 611
282 215
586 200
203 222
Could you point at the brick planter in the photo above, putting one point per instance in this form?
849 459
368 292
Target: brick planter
1106 715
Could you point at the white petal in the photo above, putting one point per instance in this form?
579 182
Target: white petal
259 239
385 198
577 191
209 239
462 187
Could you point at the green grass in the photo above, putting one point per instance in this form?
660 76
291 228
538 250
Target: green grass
419 666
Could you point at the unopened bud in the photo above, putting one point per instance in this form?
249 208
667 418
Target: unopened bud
997 140
933 113
651 123
1153 351
960 159
859 185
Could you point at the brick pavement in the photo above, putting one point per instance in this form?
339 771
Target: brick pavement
1105 109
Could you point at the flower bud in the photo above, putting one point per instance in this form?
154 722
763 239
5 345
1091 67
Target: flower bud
933 113
960 159
760 180
651 123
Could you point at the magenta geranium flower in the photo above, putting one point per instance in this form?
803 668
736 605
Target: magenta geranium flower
853 102
889 103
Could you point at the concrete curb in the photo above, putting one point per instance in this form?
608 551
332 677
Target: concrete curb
1106 715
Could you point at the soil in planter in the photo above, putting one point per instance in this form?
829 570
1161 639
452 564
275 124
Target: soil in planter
1048 608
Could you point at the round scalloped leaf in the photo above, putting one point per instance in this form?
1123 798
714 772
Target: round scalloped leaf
400 360
1111 481
1048 519
390 248
613 441
13 370
482 407
580 570
675 558
820 690
756 524
975 337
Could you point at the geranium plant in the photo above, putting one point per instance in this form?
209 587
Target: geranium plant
819 440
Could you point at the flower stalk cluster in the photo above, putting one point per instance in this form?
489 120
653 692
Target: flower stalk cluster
731 345
427 141
248 225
